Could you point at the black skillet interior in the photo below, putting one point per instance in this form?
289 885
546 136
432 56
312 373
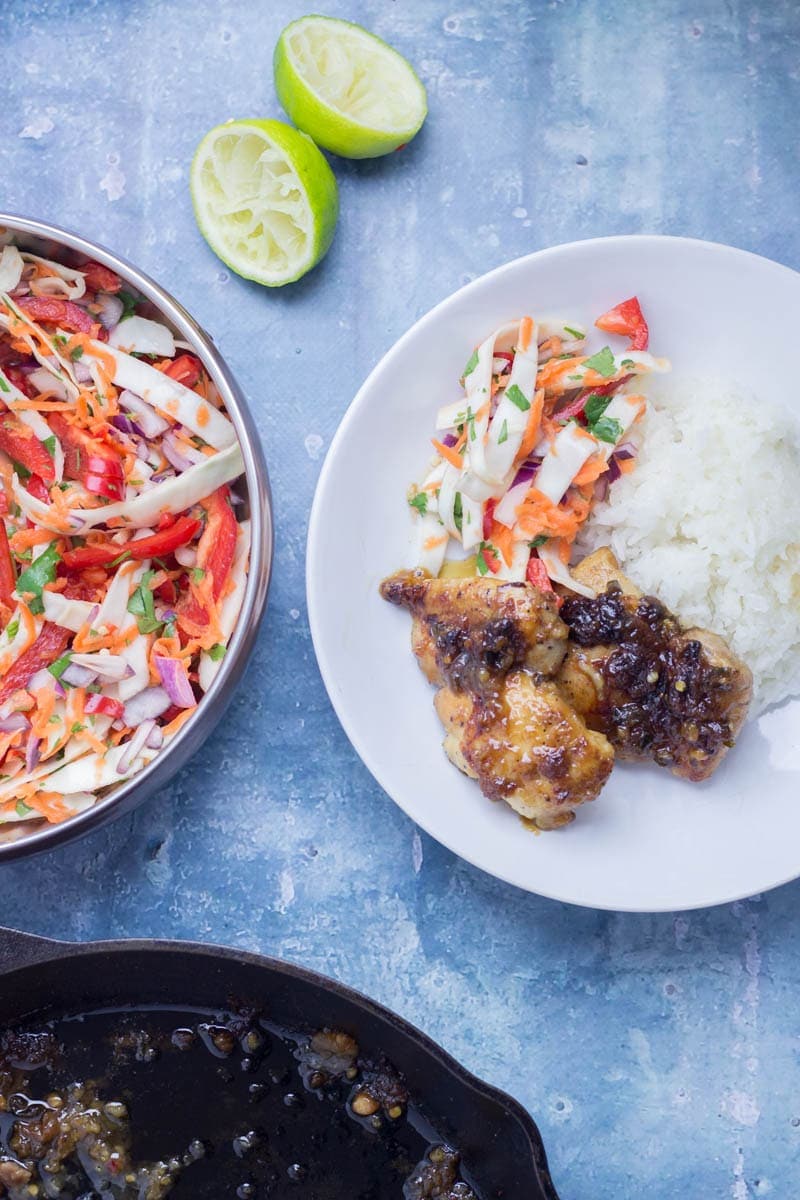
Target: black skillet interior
183 1099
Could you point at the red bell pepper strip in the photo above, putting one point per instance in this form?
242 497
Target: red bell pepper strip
488 519
21 381
101 279
537 574
104 704
491 559
627 320
578 404
215 552
155 546
186 369
49 645
20 443
91 462
36 486
54 311
8 577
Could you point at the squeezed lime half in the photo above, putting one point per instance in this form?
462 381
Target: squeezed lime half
264 199
350 91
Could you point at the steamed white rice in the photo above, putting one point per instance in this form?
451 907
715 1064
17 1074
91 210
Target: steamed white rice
710 523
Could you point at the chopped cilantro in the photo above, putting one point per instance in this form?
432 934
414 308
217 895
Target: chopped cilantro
23 472
595 407
142 606
40 572
607 429
50 445
216 652
12 629
76 352
538 541
129 303
77 727
515 394
4 387
58 668
602 363
420 503
576 333
503 433
22 809
458 512
627 362
198 574
54 720
480 562
471 365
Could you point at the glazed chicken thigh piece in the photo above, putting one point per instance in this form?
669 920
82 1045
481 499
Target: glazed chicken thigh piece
526 745
468 631
656 690
492 647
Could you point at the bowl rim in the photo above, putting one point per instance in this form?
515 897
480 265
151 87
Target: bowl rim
164 766
314 586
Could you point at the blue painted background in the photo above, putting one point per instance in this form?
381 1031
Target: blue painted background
660 1055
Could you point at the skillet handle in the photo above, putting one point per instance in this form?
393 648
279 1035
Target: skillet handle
19 949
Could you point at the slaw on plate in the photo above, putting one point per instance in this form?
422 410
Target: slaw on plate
123 562
542 431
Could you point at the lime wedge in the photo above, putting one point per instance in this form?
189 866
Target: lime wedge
346 88
264 198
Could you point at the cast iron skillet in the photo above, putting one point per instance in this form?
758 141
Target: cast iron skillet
501 1147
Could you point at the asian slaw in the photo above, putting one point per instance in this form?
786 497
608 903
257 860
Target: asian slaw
123 562
541 432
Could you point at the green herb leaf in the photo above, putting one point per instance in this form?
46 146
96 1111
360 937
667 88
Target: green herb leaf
50 445
503 433
22 809
23 472
420 503
76 352
595 407
480 562
538 541
58 668
216 652
142 606
4 387
40 572
129 303
198 574
471 365
12 629
576 333
607 429
77 727
515 394
627 362
602 363
458 512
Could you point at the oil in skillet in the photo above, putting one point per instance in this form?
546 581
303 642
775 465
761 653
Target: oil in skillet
230 1106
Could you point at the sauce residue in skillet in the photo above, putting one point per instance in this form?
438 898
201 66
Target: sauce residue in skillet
141 1105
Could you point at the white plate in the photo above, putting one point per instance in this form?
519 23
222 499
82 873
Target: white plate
650 842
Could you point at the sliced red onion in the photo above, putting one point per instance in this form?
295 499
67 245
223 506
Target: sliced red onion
179 461
613 473
141 449
59 689
82 372
110 309
148 418
14 722
32 752
146 705
134 747
126 425
449 439
506 510
626 450
155 739
78 676
176 681
601 486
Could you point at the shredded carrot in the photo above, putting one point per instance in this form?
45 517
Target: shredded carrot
431 543
177 722
23 539
502 537
525 333
447 452
531 435
591 470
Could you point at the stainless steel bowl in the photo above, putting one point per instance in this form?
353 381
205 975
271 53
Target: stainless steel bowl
52 242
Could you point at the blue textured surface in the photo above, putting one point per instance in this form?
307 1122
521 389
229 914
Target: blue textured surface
659 1054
